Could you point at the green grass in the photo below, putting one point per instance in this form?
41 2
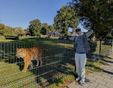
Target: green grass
4 40
93 66
12 77
61 81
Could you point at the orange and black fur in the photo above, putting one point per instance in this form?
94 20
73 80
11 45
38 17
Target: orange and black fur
29 54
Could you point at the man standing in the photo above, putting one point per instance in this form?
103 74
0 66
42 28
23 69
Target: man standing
81 48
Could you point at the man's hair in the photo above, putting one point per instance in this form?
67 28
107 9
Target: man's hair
78 29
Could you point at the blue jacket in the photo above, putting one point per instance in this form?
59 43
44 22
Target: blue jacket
81 44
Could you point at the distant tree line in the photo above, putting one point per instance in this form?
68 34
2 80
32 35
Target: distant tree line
10 31
35 28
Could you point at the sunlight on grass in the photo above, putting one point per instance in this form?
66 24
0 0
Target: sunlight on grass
5 40
93 67
12 77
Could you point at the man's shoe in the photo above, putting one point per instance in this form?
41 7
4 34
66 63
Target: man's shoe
78 79
82 82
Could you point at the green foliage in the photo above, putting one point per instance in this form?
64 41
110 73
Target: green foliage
35 27
2 27
19 31
66 17
9 31
51 28
100 13
109 36
44 29
112 32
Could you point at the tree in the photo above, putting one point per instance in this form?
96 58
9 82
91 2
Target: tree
66 17
27 32
35 27
51 28
100 13
112 32
20 31
9 31
44 29
2 27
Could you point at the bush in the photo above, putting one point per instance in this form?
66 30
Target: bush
9 32
109 37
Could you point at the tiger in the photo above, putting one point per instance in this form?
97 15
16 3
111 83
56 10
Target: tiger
29 54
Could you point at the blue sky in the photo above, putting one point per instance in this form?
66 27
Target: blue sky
18 13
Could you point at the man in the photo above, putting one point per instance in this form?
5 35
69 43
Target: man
81 48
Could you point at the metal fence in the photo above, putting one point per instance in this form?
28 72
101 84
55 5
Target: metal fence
103 49
12 77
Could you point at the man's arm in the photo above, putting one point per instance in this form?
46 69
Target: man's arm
72 38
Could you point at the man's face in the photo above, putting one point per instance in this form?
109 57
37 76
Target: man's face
78 32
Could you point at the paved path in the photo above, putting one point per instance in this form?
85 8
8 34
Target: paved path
102 79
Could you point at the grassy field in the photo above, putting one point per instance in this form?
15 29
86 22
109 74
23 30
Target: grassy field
12 77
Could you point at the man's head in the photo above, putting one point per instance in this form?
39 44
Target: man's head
78 31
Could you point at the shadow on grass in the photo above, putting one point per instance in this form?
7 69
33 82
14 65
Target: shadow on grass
104 62
108 61
93 67
108 72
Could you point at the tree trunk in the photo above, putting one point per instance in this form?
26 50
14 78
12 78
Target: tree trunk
100 47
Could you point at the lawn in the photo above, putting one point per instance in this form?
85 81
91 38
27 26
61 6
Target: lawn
54 50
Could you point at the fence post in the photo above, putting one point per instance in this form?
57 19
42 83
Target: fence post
112 45
100 47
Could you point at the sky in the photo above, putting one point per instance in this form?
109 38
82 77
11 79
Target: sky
18 13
